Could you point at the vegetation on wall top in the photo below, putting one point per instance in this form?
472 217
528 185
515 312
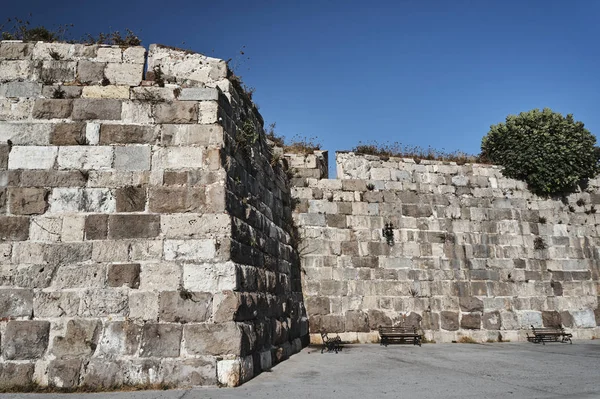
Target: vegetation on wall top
550 152
398 150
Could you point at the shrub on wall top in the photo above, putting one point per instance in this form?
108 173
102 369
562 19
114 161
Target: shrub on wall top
550 152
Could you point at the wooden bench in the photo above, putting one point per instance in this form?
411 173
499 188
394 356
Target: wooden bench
549 334
399 335
334 344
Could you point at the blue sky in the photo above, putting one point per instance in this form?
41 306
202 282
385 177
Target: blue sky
422 72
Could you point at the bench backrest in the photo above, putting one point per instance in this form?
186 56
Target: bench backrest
542 330
401 330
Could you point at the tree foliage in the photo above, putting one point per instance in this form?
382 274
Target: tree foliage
550 152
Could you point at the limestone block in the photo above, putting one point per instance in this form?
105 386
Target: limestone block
143 305
153 94
104 302
68 134
110 91
84 157
92 133
45 229
185 135
189 372
199 94
64 373
133 226
72 228
90 72
184 307
529 318
56 303
583 318
97 108
357 321
120 338
109 54
210 277
27 201
176 112
134 55
470 321
137 112
449 320
213 339
110 251
16 374
17 70
77 276
96 227
161 340
61 91
79 340
127 274
132 199
127 134
32 157
178 158
124 74
20 89
189 249
183 65
471 304
160 276
82 200
15 50
52 109
25 339
194 226
132 157
103 374
15 302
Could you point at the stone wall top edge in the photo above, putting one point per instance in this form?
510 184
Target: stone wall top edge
412 160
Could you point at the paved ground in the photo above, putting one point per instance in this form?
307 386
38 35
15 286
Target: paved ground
507 370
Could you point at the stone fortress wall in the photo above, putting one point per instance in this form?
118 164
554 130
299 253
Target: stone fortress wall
471 252
145 237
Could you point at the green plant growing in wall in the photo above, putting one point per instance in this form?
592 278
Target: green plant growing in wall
548 151
247 136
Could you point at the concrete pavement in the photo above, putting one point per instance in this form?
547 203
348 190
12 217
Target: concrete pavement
497 370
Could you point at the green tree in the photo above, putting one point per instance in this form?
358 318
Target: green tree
550 152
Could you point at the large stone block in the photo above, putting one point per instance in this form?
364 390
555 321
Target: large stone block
4 150
210 277
583 318
143 305
131 199
128 134
68 134
84 157
491 320
357 321
123 274
213 339
90 72
92 109
15 302
178 158
104 302
529 318
119 338
318 305
10 50
14 228
176 112
449 320
160 340
132 158
194 225
185 306
124 74
133 226
551 319
32 157
56 304
194 250
185 135
52 109
80 339
58 71
189 372
471 304
96 227
102 374
16 374
21 89
160 276
79 276
27 201
64 373
110 91
470 321
25 339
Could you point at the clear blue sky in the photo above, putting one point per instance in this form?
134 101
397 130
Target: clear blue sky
422 72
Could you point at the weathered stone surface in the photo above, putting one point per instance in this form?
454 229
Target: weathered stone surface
68 134
123 274
14 228
194 250
185 306
32 157
15 302
176 112
213 339
161 340
529 318
81 339
64 373
92 109
4 150
120 338
54 71
110 91
131 199
357 321
471 304
124 74
96 227
104 302
176 199
184 135
178 158
551 319
449 320
143 305
84 157
583 318
133 226
127 134
132 158
16 374
189 372
317 305
90 71
15 50
27 201
52 109
491 320
25 339
21 89
199 94
56 304
470 321
103 373
79 276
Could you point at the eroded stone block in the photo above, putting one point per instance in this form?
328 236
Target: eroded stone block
124 274
213 339
25 339
81 339
160 340
185 306
15 302
27 201
52 109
